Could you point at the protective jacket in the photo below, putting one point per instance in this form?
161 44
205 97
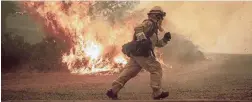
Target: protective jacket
145 40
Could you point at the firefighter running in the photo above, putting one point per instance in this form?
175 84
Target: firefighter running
141 53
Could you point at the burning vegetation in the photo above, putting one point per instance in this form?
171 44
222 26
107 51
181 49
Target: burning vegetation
95 43
83 37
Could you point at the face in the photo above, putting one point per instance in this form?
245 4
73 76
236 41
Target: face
159 19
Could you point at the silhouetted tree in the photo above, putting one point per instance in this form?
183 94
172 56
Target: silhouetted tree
111 10
47 55
14 51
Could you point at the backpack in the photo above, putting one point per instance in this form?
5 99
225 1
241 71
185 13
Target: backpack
141 48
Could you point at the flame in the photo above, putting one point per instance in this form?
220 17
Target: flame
96 44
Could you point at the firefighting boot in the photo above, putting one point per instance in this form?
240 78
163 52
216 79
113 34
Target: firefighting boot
112 95
161 96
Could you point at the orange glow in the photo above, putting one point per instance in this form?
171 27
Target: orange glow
96 45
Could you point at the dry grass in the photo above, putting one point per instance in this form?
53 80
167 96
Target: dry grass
213 79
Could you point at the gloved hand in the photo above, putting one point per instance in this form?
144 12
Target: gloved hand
167 37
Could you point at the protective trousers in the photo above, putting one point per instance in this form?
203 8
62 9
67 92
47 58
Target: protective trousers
134 66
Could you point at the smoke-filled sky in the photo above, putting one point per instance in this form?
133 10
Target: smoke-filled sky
223 27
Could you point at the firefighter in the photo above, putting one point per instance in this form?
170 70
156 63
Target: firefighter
145 39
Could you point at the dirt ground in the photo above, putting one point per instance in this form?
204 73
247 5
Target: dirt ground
228 78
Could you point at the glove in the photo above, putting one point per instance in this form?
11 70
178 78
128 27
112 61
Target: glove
167 37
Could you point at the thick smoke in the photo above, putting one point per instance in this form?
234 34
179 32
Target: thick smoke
222 27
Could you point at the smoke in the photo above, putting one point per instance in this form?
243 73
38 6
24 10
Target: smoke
222 27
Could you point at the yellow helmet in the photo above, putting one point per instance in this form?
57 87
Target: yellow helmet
157 10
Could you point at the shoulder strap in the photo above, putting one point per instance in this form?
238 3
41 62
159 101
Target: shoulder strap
153 28
150 33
